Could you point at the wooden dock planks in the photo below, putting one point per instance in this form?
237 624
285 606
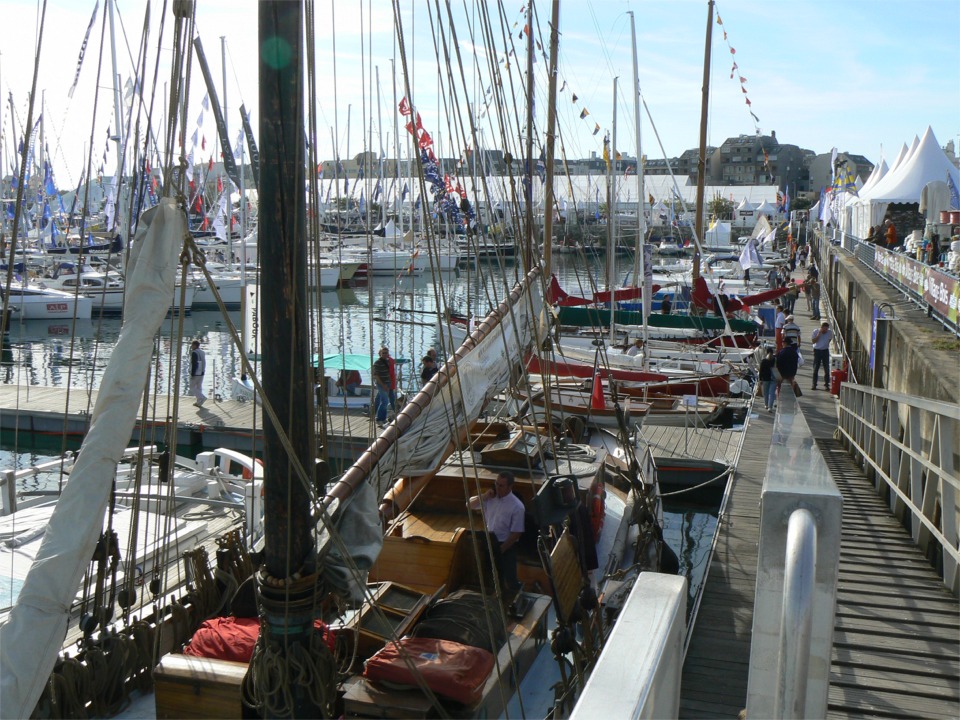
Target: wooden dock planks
715 670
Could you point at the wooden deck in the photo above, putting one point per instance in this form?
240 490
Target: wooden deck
57 412
715 671
896 647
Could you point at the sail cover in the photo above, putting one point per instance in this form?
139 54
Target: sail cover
31 638
419 438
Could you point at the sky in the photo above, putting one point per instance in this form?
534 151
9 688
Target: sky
864 76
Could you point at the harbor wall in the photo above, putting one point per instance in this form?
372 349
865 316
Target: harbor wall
908 352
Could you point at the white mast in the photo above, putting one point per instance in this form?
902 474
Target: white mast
612 216
641 276
118 127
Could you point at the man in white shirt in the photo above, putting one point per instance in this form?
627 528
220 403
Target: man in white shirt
778 326
636 348
821 353
503 515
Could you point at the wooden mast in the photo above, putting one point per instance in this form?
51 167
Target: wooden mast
286 580
528 172
548 201
701 156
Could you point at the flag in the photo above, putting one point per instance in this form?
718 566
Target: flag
362 205
833 165
404 192
425 140
596 128
606 150
954 194
584 113
750 257
849 182
573 98
83 49
376 190
405 107
564 86
786 199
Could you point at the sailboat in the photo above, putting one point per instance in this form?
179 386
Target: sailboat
321 543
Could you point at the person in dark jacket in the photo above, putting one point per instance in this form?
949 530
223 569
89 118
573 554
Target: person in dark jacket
789 361
768 380
382 381
429 369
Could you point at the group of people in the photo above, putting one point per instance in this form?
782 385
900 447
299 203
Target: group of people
781 365
384 374
884 235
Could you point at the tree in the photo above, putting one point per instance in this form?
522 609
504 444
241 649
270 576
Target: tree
721 208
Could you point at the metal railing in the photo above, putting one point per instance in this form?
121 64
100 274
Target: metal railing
908 445
797 573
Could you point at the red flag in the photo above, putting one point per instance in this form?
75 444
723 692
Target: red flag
219 185
203 143
425 140
210 164
460 191
597 401
419 126
448 184
405 107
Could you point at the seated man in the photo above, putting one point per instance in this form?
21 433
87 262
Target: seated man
349 382
503 514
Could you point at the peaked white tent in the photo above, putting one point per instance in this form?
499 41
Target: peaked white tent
925 164
766 208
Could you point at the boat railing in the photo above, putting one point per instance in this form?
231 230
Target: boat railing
908 445
649 632
797 572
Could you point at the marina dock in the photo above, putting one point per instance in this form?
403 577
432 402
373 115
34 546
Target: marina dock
896 639
38 412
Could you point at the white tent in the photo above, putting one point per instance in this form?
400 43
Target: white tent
718 235
766 208
925 164
746 210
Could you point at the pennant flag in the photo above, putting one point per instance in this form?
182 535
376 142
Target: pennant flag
405 107
606 150
564 86
404 192
584 113
425 140
596 128
83 49
786 199
573 99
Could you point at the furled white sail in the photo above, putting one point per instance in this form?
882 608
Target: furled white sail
34 632
457 394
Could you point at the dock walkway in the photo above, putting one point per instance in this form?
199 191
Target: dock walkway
896 649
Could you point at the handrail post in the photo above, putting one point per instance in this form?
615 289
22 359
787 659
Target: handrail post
798 567
800 570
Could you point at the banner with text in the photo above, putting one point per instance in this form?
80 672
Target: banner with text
939 290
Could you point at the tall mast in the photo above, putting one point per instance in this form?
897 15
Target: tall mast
528 185
702 155
287 580
612 216
551 123
118 128
640 268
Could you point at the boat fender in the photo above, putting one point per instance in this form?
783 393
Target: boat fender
247 473
562 642
588 598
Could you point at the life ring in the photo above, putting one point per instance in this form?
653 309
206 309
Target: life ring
247 473
598 509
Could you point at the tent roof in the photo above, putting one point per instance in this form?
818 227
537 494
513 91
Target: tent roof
926 163
766 207
745 205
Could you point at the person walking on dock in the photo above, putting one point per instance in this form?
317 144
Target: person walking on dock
382 381
767 379
821 353
789 361
198 366
778 323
